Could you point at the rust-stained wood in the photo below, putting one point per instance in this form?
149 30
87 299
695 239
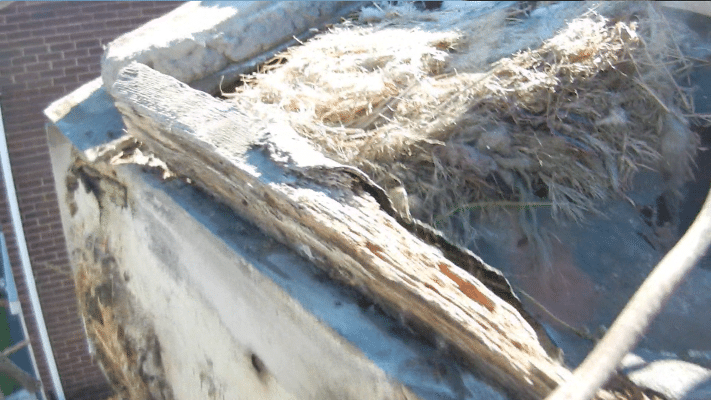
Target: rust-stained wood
325 211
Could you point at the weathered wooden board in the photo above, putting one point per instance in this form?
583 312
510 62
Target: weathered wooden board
328 213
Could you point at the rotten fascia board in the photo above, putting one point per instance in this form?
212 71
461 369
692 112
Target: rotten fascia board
190 129
392 346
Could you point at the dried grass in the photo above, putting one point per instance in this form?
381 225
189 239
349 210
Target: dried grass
425 101
126 347
117 360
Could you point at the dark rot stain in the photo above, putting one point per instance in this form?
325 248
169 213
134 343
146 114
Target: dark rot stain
467 288
257 364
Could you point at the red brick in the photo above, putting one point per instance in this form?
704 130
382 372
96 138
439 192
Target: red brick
58 22
61 301
33 198
101 7
87 77
27 41
14 70
5 72
60 64
50 204
94 26
29 152
27 26
27 141
34 50
17 120
26 76
53 92
103 16
131 13
68 332
39 258
30 162
8 54
75 26
24 114
34 231
60 307
36 214
118 6
9 27
89 60
42 66
44 32
61 46
43 83
76 70
96 51
53 73
12 37
39 243
68 9
82 35
54 219
24 60
57 247
24 95
58 38
18 17
49 56
75 53
87 43
44 15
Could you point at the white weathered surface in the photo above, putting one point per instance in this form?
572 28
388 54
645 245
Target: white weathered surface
675 379
200 38
699 7
343 231
209 307
86 118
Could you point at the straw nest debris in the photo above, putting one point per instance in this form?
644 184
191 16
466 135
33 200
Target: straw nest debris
432 103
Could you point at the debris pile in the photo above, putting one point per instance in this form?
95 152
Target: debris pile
425 102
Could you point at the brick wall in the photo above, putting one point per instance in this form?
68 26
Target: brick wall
48 49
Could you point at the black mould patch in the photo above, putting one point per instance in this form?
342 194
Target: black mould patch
102 187
91 181
258 366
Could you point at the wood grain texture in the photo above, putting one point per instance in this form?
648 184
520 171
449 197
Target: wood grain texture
275 179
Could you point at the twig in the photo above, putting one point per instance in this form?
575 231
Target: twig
15 348
651 93
367 120
636 317
22 377
669 75
578 332
501 203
